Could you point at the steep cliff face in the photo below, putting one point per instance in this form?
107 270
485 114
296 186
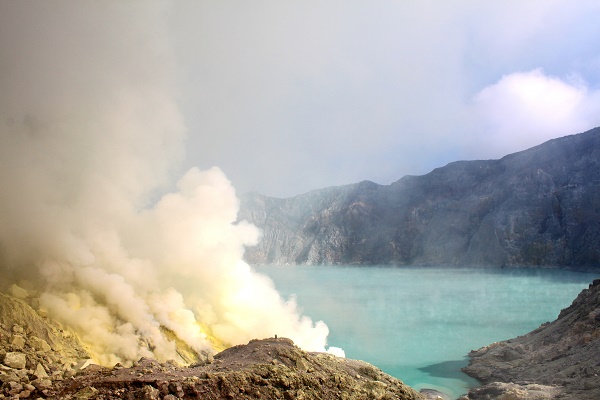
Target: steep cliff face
536 207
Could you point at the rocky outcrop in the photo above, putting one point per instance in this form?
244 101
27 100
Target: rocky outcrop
39 359
35 353
539 207
513 391
560 359
262 369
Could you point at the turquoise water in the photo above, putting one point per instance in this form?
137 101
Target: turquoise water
418 324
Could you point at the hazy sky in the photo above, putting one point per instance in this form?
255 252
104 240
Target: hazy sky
290 96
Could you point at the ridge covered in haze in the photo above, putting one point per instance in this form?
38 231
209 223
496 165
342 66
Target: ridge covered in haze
538 207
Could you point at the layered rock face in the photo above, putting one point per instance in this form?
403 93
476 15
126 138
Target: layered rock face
39 359
539 207
560 359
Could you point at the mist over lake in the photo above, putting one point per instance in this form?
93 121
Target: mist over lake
418 324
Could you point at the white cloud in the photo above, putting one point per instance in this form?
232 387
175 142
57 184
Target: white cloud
524 109
291 96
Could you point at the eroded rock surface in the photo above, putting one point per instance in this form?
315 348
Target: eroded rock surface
262 369
560 359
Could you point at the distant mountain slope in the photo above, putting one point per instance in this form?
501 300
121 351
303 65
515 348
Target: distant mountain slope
538 207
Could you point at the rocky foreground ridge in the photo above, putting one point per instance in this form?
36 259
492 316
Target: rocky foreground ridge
39 359
559 360
538 207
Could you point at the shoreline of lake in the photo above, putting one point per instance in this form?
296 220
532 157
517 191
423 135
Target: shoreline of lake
403 320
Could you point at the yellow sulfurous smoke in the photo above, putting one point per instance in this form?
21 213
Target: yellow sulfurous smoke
88 132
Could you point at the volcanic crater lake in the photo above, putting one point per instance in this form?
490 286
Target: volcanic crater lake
419 323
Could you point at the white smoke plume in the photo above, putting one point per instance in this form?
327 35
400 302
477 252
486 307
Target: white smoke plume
89 132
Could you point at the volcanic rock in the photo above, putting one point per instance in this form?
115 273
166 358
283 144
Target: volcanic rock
561 357
432 394
53 364
513 391
41 336
262 369
18 342
40 372
33 351
15 360
39 344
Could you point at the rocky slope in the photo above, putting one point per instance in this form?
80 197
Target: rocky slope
34 353
560 359
262 369
537 207
41 360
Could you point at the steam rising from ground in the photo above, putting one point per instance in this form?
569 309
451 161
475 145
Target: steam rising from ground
89 128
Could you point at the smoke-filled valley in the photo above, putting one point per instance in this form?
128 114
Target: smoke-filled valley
90 137
131 268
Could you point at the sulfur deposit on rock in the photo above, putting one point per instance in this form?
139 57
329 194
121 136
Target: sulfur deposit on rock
23 329
558 360
34 353
40 360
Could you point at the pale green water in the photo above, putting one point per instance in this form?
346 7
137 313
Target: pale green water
418 324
